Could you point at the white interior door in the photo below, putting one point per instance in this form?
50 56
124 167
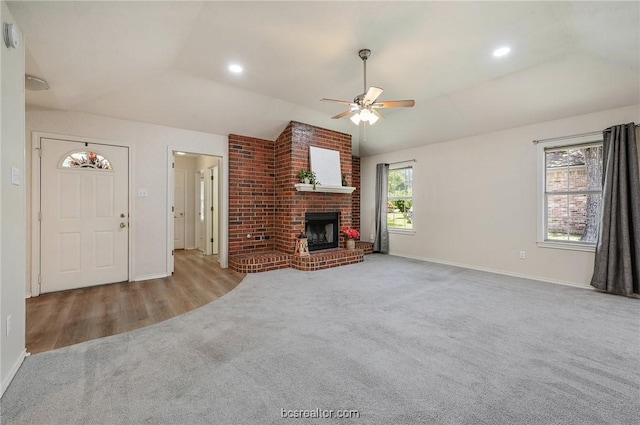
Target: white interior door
84 205
201 211
179 200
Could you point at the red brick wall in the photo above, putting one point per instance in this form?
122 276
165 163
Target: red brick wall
263 201
251 194
292 155
355 196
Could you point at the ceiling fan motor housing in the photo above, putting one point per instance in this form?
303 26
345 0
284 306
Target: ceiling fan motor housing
364 54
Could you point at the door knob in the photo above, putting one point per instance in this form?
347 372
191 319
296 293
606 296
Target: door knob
123 225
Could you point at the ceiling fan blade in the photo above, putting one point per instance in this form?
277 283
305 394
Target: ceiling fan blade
344 102
372 95
394 104
377 114
344 114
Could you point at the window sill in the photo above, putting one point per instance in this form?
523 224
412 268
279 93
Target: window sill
567 245
402 231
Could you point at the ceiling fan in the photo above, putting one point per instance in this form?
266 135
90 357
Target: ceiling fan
364 107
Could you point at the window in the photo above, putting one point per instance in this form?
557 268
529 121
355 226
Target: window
571 193
400 199
86 160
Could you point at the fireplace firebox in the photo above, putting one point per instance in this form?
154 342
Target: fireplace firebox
322 230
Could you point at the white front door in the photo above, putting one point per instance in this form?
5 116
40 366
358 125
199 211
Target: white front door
179 194
84 214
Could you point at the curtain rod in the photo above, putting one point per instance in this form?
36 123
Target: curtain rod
592 133
400 162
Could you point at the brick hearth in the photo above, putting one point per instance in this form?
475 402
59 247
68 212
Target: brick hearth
327 258
266 213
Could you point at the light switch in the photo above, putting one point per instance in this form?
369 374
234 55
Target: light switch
15 176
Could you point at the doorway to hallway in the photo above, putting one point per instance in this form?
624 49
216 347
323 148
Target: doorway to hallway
200 216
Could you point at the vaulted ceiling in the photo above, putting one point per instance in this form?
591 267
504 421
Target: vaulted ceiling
167 63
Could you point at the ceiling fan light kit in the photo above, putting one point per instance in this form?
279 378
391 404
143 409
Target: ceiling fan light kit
364 106
364 115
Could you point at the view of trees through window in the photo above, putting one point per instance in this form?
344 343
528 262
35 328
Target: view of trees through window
573 193
400 199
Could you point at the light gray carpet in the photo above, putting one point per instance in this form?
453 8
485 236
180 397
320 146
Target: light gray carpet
400 341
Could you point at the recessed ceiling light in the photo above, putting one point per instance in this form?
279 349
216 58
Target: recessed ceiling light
501 51
235 68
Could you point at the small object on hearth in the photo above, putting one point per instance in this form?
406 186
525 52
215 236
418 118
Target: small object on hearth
302 236
302 247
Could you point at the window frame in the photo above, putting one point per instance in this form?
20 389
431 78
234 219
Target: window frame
542 147
400 166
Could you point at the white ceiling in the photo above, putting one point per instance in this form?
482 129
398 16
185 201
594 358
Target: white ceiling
166 63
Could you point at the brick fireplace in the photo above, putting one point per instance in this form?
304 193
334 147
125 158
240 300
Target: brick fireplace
267 213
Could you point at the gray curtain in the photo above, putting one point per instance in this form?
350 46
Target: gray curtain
381 241
617 262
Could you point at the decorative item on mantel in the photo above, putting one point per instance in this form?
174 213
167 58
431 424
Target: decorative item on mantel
308 177
351 235
344 180
302 246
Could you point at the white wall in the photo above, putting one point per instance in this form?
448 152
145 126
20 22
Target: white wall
12 207
475 200
151 149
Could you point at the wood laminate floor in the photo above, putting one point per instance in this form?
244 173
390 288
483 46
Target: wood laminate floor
64 318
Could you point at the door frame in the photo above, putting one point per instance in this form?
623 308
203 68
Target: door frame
36 176
223 250
213 220
199 227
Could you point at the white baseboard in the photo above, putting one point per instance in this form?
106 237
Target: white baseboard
502 272
150 276
13 371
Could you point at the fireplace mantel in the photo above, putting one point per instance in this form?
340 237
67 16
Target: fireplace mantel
301 187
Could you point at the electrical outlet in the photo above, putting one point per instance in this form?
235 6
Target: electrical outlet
8 325
371 237
523 255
